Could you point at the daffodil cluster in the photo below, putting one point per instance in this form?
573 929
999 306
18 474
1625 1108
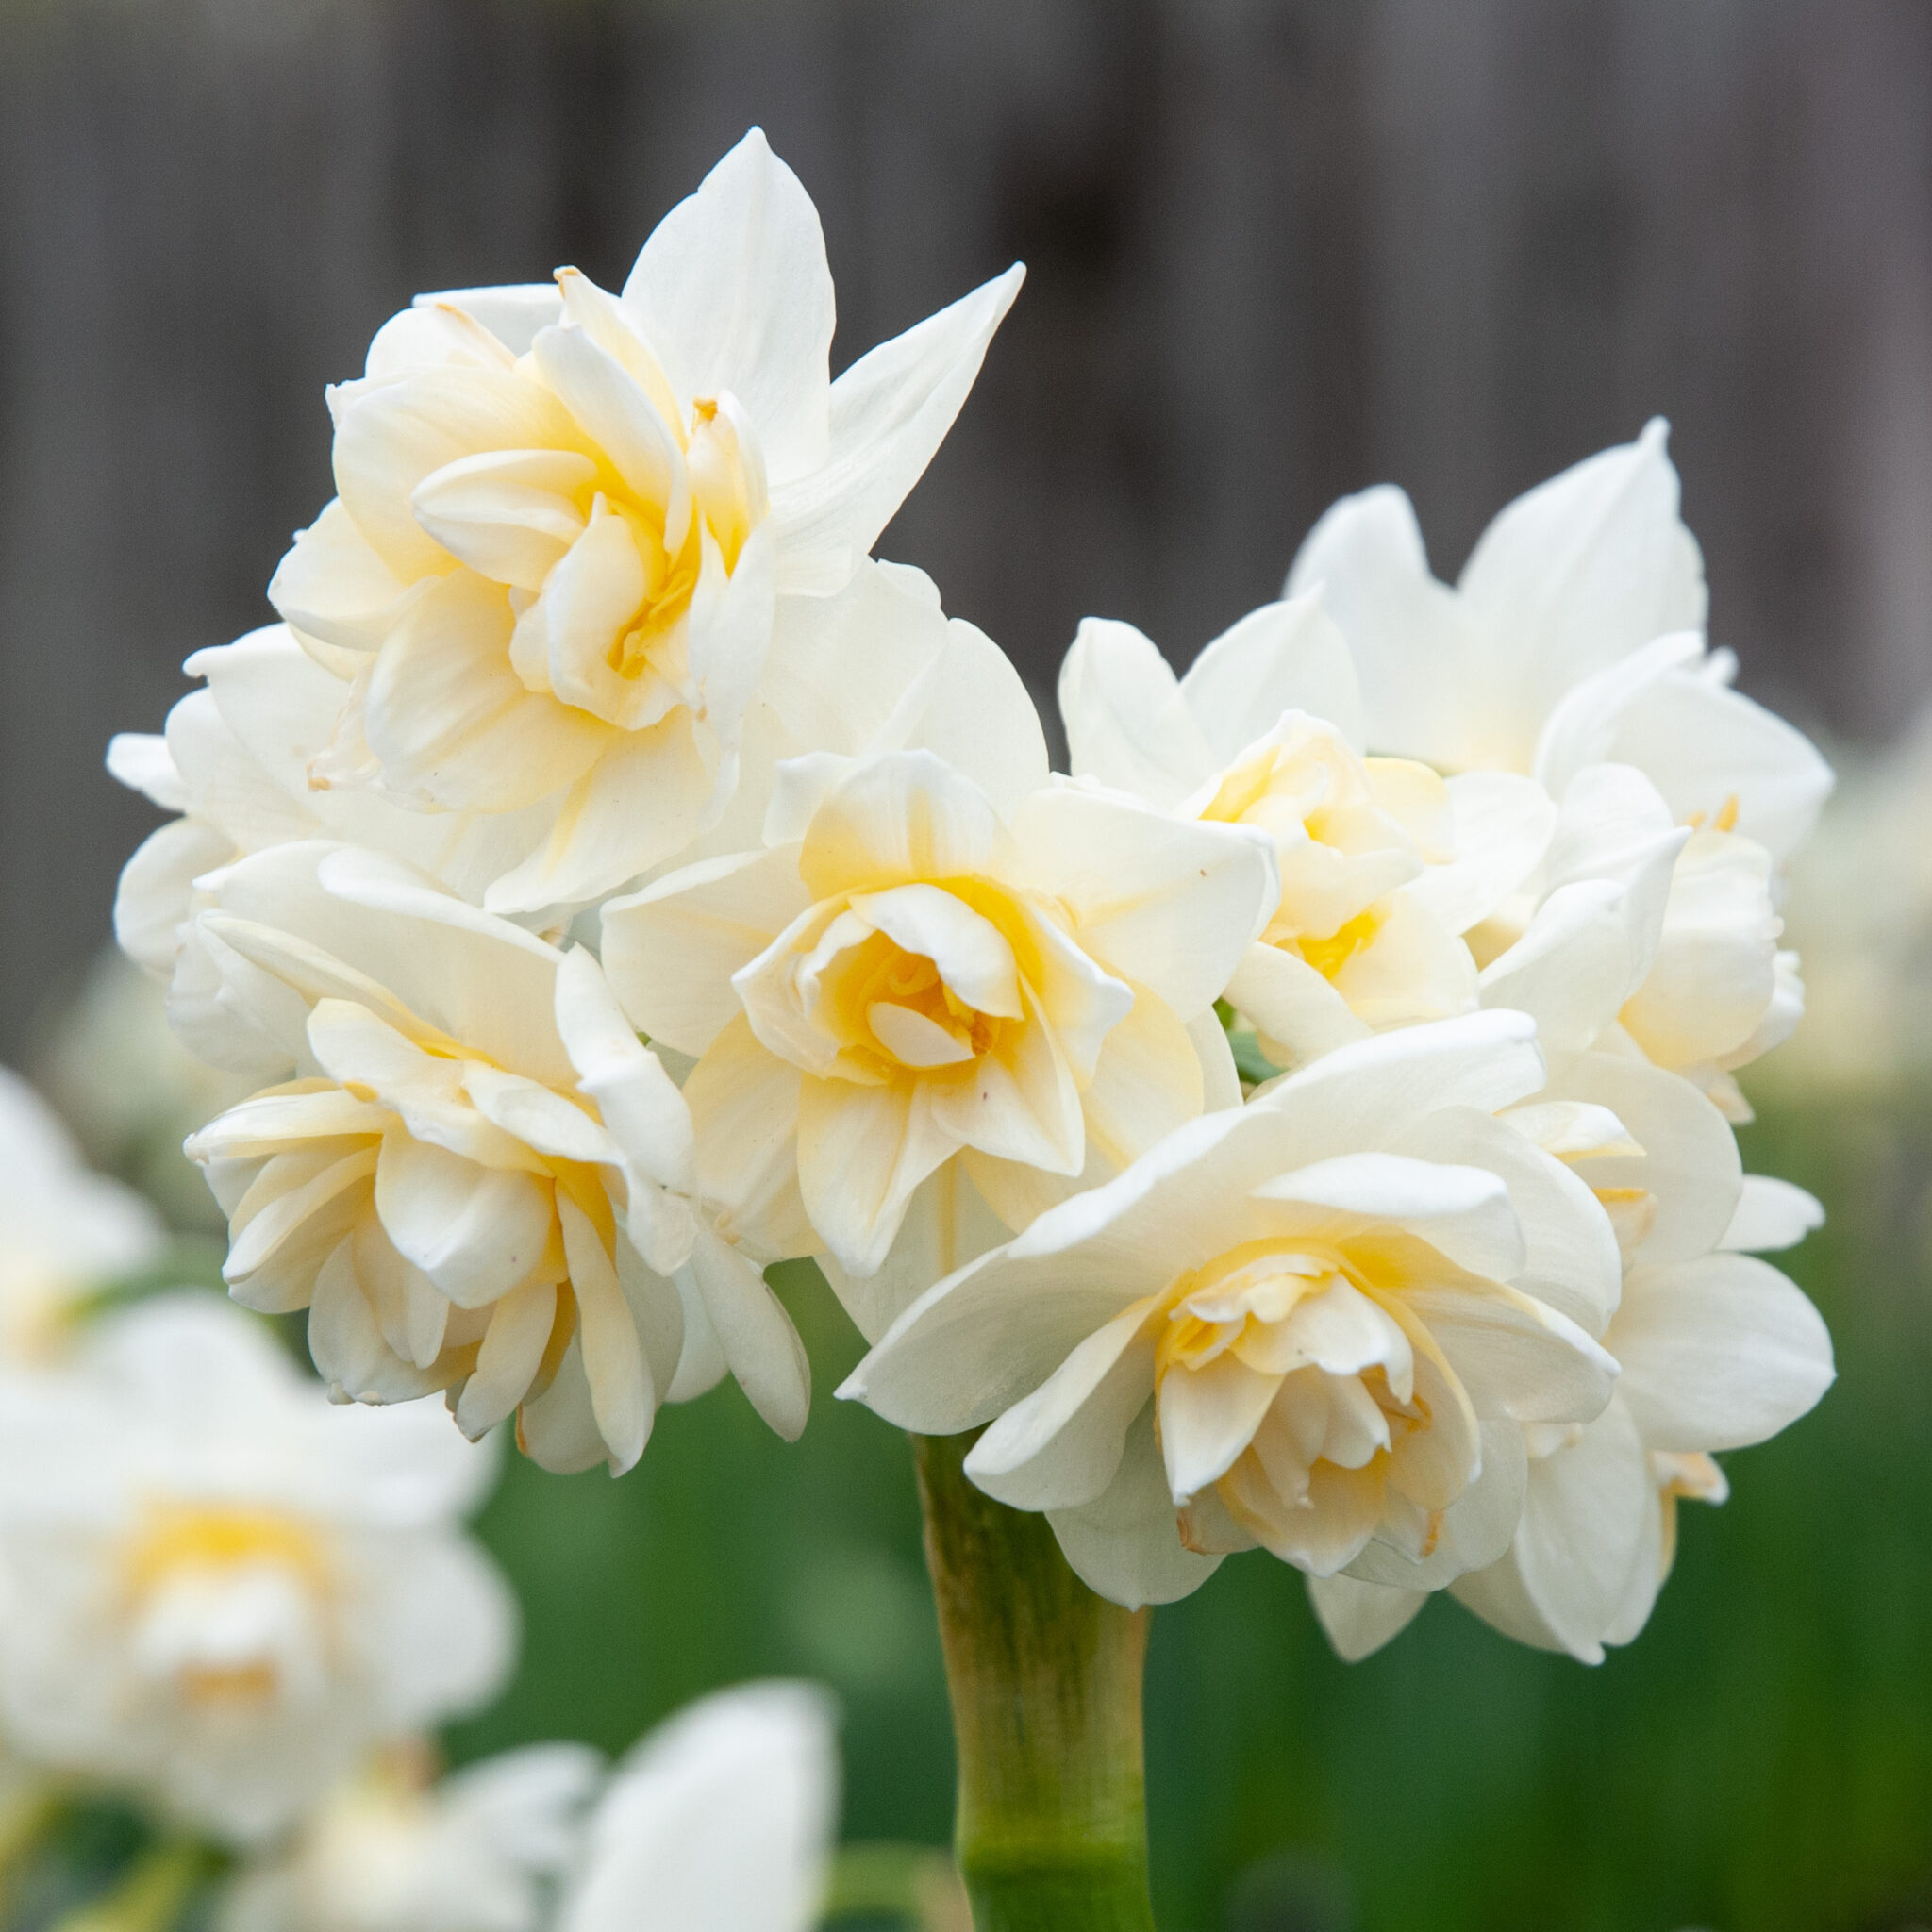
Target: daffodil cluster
1305 1127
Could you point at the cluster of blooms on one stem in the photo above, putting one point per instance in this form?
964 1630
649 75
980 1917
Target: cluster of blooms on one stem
1304 1126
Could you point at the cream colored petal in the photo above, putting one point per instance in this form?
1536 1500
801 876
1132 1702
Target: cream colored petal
512 1350
745 1104
450 720
558 1430
890 412
140 761
1718 1353
1517 1359
477 1232
1128 724
1504 824
508 514
152 900
1147 1081
1167 905
1285 656
1060 1446
1413 969
390 438
1125 1545
1019 1103
898 817
638 805
621 1396
861 1153
334 586
1586 568
1358 1619
1297 1013
1207 1418
733 293
1772 1214
671 950
760 1345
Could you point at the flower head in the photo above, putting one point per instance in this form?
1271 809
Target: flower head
222 1590
568 523
479 1181
1313 1323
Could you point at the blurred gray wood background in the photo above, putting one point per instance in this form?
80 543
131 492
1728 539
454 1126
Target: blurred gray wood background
1279 249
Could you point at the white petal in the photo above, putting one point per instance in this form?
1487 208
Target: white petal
1165 904
1772 1214
1125 1545
1359 1618
1503 828
1285 656
621 1396
732 291
140 761
760 1345
1060 1446
1718 1353
671 950
1128 724
1297 1013
890 412
477 1232
861 1152
1207 1418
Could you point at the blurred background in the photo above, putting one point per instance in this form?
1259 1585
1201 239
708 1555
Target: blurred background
1277 250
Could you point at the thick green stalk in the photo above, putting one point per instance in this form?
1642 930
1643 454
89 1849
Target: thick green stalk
1045 1685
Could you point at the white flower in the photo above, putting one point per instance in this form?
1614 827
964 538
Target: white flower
480 1179
1716 1352
388 1852
65 1231
567 523
1313 1323
1383 865
720 1821
930 961
1571 638
218 1588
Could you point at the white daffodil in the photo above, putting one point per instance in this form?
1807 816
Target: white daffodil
1314 1324
720 1821
1572 637
218 1590
391 1852
1717 1352
942 983
234 763
1383 865
568 522
479 1179
65 1232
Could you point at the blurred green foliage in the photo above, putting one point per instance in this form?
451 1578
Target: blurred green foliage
1761 1759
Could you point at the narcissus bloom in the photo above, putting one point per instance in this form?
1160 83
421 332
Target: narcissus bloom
390 1852
1717 1352
65 1233
568 522
1313 1324
1383 863
219 1589
1572 637
723 1818
477 1180
921 972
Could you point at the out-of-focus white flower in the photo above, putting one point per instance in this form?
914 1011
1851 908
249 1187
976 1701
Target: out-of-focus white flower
720 1821
479 1181
568 523
219 1589
1717 1352
931 959
391 1852
64 1232
1315 1324
1859 910
1570 639
1383 865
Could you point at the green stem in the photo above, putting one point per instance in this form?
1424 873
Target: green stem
1046 1684
153 1895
